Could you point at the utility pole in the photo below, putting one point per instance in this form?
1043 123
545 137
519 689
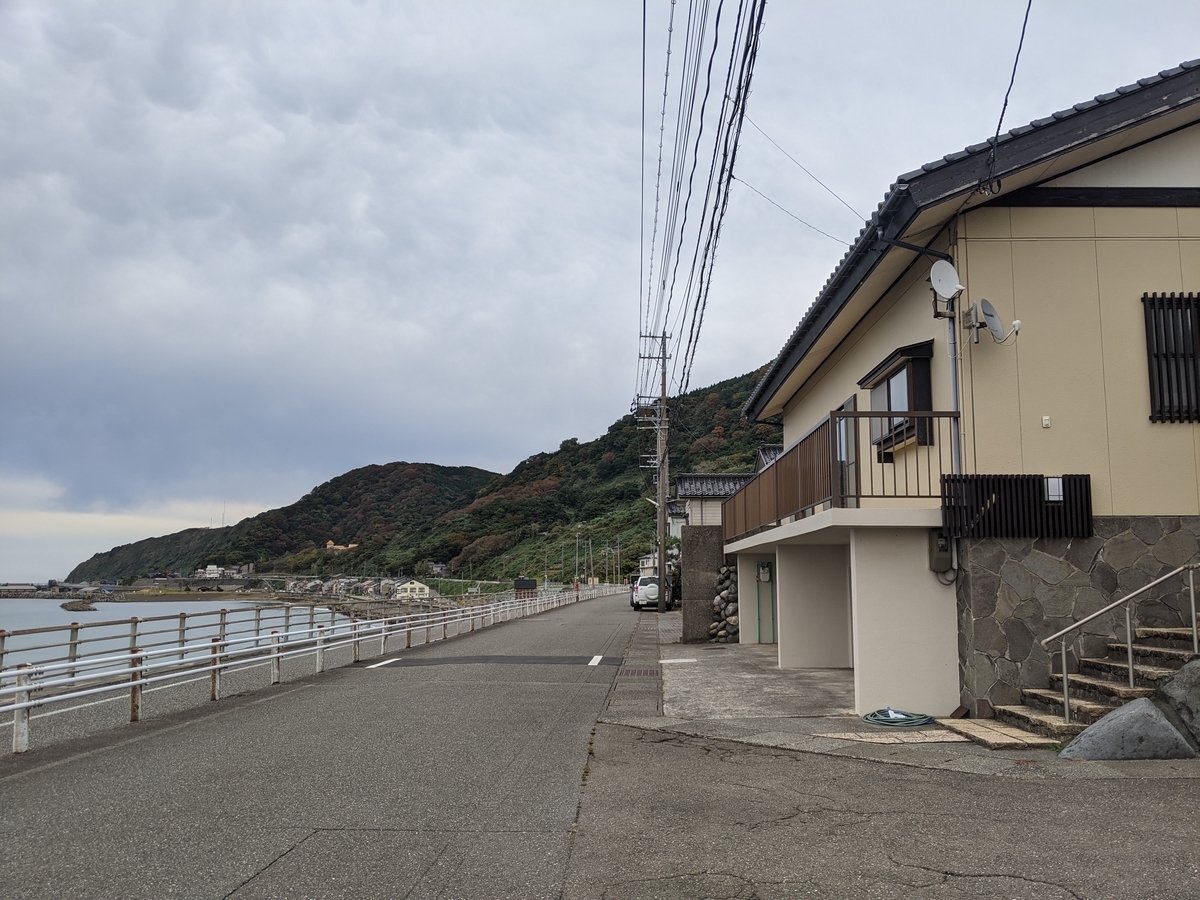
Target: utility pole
662 482
651 412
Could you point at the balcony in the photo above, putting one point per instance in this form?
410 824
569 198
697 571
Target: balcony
850 459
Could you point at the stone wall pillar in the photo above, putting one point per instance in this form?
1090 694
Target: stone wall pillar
701 554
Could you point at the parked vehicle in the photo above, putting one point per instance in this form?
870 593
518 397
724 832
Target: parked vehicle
645 592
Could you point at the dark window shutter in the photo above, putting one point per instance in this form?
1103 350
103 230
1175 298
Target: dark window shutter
1173 356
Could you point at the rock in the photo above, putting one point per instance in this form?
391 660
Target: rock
1123 550
1181 693
714 627
724 595
1046 567
731 609
733 620
722 633
1137 730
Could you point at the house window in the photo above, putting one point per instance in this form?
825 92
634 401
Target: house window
1173 355
901 383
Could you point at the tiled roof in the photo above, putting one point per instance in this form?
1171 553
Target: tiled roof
703 486
767 454
973 155
677 509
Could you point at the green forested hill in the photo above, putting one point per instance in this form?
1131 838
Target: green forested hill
499 526
365 505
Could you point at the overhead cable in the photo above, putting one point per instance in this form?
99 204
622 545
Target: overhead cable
805 170
992 186
792 214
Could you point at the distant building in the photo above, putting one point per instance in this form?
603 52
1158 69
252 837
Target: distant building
676 517
703 494
411 589
338 548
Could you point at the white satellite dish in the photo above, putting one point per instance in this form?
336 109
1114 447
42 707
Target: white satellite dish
944 279
991 320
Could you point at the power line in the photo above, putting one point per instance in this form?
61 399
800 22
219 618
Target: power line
725 180
642 176
714 182
793 215
676 294
991 187
805 170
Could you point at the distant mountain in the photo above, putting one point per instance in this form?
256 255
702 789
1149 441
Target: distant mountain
404 514
365 506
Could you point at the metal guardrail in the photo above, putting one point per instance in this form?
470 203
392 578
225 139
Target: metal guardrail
59 674
1127 600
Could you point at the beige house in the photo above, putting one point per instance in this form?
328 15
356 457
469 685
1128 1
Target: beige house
947 498
409 589
704 493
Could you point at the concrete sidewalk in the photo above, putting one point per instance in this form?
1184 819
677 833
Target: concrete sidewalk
735 692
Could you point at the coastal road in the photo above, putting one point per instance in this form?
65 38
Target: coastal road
454 771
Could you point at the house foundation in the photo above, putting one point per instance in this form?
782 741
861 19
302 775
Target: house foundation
1012 593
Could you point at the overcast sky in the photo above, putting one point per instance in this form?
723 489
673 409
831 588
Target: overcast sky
246 247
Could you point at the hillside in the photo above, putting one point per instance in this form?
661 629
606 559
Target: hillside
482 525
371 504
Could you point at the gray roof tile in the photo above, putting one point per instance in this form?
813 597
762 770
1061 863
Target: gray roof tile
703 485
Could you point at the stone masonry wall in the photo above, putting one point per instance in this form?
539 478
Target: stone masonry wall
1012 593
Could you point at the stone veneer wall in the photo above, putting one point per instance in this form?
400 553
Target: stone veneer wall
1012 593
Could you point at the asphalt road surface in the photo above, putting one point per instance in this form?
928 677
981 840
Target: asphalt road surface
459 777
476 768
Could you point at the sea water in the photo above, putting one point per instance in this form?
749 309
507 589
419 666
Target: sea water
108 629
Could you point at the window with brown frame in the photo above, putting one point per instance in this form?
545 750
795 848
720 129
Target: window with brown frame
1173 355
901 383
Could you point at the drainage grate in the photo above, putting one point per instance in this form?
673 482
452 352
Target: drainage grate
638 673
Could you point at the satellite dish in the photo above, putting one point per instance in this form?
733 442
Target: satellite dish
992 321
944 279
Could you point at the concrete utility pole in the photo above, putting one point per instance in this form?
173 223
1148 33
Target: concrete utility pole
651 412
662 482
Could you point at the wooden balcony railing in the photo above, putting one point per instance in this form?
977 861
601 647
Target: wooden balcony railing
848 459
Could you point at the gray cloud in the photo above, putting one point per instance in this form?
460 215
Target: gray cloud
246 247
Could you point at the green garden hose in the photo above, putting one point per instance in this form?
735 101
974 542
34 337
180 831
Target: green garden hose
895 717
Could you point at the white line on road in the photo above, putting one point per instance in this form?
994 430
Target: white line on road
595 660
386 662
676 660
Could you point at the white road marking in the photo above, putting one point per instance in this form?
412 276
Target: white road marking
676 660
595 660
386 662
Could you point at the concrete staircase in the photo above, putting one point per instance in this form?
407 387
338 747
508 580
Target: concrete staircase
1102 684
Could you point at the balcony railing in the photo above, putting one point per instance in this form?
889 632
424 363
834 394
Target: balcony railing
848 459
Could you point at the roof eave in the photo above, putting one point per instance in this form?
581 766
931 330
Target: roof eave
960 174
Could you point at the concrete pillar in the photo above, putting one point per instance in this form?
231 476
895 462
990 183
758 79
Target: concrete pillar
904 625
813 585
701 553
748 624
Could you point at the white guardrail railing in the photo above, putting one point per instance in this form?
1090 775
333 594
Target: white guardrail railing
60 665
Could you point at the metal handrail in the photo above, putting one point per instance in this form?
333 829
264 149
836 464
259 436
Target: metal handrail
1127 601
61 679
